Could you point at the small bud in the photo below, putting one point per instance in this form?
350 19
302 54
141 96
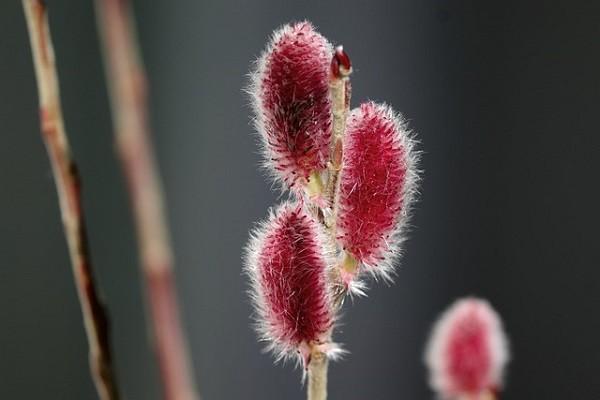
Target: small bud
377 185
290 88
467 350
288 261
341 65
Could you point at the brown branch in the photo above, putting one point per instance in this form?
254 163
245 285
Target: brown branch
68 187
127 84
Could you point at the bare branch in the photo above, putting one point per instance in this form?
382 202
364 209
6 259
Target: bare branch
68 187
127 84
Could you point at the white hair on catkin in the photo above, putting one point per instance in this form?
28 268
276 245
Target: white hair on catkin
277 344
435 356
393 252
253 90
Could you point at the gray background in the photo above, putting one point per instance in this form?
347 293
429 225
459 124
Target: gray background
505 99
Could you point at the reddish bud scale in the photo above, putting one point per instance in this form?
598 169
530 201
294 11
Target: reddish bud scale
377 183
340 63
292 103
288 263
467 350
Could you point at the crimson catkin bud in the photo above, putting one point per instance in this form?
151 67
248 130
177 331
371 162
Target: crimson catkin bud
467 350
290 90
377 185
288 261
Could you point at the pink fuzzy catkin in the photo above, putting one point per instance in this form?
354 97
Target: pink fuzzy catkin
290 89
378 180
467 350
288 262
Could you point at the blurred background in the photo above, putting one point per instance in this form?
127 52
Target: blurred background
504 97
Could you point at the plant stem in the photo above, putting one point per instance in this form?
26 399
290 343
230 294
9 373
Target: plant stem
317 376
68 187
340 97
486 395
127 84
489 395
339 87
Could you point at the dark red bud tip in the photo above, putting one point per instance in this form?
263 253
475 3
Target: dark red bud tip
341 65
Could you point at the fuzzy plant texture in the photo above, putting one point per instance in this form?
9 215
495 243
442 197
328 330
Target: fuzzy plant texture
351 177
467 351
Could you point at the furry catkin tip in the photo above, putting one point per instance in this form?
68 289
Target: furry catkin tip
467 350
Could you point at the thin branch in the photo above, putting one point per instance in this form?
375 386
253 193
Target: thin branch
127 84
68 187
339 88
317 376
485 395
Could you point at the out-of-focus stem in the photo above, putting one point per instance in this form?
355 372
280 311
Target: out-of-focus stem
486 395
127 84
68 187
317 376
